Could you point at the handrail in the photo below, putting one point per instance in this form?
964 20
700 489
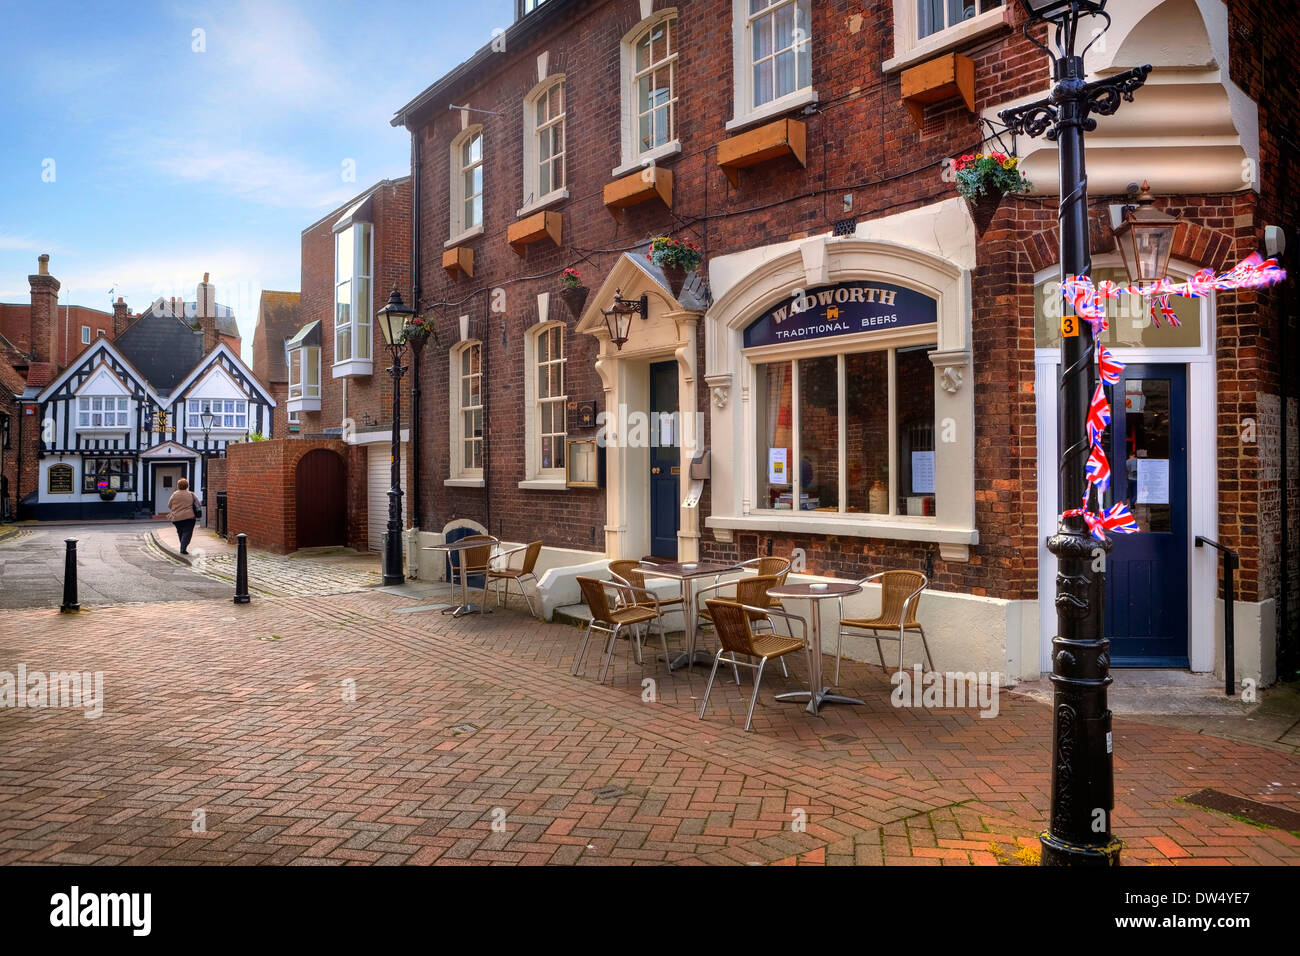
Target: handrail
1231 561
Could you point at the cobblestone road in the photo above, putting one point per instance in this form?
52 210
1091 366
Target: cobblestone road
280 576
357 728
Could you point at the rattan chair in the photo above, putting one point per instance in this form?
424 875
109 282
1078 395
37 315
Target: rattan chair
475 560
732 620
633 573
900 597
520 574
751 591
610 620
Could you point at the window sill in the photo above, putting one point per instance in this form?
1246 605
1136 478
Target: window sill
293 405
767 111
464 236
544 484
648 157
550 199
948 39
353 368
463 482
839 525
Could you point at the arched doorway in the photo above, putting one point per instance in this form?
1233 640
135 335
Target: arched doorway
321 496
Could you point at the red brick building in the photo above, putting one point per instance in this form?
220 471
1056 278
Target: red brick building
803 147
323 348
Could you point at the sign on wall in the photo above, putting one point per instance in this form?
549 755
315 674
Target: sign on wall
845 308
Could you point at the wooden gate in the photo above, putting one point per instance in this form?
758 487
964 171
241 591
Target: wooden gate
321 495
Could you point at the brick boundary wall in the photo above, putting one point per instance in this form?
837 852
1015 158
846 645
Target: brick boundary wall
260 484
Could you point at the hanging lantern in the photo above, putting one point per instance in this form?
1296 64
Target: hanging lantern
1146 239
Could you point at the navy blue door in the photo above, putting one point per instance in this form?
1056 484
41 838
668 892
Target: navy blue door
1146 573
665 460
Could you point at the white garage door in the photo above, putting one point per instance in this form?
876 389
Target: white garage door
379 480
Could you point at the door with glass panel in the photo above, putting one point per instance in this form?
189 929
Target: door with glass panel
1147 572
665 460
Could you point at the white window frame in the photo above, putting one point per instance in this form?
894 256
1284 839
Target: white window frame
360 360
532 155
85 335
460 475
86 412
302 395
744 112
459 231
537 477
781 354
910 48
633 156
228 412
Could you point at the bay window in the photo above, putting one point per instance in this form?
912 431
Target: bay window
850 433
97 411
352 300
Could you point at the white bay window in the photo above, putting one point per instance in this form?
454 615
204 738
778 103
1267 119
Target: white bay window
352 301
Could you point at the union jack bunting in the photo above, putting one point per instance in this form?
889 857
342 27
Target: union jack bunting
1119 519
1098 416
1108 366
1098 469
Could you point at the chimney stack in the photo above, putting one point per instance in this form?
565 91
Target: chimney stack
121 316
205 307
44 312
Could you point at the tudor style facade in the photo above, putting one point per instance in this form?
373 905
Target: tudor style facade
124 422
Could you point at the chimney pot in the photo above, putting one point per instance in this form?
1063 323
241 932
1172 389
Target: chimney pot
43 264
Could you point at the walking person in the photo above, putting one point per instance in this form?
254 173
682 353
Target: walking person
183 508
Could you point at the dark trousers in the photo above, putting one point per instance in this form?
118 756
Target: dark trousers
185 531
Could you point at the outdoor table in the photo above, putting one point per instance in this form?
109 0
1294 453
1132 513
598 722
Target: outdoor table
818 693
688 574
457 546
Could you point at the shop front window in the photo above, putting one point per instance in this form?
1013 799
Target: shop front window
102 474
826 430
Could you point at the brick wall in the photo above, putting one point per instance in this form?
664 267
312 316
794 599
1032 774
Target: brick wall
861 142
260 483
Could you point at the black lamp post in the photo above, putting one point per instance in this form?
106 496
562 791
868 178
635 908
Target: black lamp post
1083 791
393 318
206 419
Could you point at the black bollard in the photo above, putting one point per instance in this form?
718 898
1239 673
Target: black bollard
241 571
70 578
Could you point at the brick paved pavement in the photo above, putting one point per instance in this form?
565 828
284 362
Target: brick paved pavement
240 712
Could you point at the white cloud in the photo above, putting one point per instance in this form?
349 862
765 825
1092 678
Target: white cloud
12 243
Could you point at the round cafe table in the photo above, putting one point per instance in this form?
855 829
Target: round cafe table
817 693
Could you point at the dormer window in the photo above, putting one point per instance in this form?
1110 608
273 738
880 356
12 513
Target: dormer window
95 411
525 7
231 414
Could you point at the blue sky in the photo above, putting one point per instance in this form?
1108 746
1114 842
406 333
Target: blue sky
168 162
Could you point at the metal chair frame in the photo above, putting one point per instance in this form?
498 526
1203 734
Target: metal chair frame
534 549
906 622
602 620
762 661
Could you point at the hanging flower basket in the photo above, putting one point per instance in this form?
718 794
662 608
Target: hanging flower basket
676 258
105 492
415 333
573 292
983 179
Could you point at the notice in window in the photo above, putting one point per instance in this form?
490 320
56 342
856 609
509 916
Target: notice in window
778 466
922 472
1153 481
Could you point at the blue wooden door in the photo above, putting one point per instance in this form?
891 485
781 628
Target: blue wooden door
1147 573
665 460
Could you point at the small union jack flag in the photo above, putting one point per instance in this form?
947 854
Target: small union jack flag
1098 416
1119 519
1109 367
1097 470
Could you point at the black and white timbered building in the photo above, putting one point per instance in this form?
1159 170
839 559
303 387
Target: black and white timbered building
124 423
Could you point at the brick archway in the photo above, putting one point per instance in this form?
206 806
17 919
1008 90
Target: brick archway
320 499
